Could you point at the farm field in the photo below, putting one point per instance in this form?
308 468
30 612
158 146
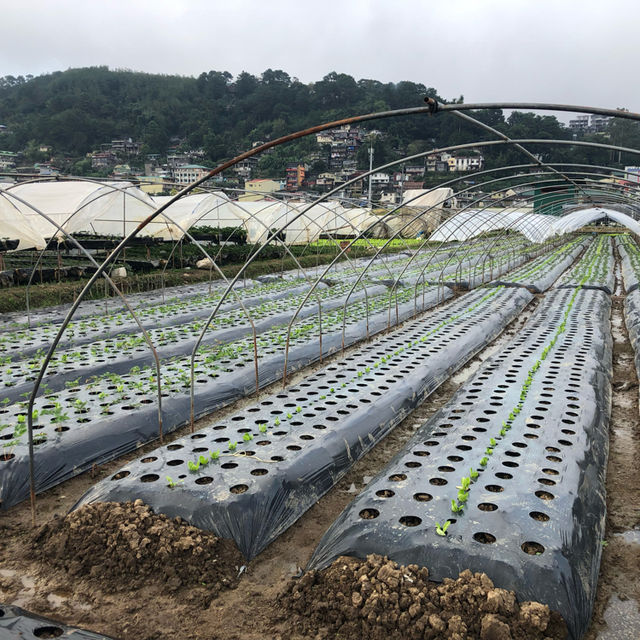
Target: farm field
471 410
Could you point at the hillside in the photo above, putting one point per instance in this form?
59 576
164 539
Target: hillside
75 111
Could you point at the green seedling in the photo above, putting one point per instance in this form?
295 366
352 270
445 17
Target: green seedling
232 446
455 507
193 466
298 409
277 421
484 461
492 442
503 432
172 483
289 416
442 530
215 455
489 451
465 483
462 496
473 474
247 437
262 428
203 461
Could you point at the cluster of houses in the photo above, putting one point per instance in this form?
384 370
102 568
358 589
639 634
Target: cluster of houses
332 166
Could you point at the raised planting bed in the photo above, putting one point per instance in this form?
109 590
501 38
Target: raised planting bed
120 354
89 424
196 304
595 270
630 261
18 624
250 477
508 478
17 320
539 274
27 342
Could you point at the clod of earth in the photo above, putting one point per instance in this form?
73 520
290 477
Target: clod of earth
379 599
125 546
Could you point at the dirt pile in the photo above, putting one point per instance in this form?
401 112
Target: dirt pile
125 546
378 599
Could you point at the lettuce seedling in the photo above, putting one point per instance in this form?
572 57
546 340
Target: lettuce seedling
232 446
484 461
442 530
455 507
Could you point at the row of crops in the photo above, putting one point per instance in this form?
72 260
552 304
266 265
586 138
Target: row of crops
100 398
507 478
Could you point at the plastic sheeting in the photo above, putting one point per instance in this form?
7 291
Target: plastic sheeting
472 223
112 209
194 210
534 519
104 428
575 220
323 426
428 198
595 270
535 227
18 624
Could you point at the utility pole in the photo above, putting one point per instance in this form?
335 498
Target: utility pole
370 168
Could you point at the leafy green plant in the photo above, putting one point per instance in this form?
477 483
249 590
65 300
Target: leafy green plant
193 466
455 507
232 446
442 530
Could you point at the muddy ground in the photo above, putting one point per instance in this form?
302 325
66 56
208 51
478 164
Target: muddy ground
252 608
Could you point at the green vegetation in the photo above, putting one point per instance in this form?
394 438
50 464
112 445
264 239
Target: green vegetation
77 110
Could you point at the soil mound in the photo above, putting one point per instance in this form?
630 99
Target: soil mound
378 599
127 546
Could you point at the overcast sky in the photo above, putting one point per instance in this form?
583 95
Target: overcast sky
571 51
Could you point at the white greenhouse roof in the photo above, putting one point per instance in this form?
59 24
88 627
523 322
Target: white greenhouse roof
469 224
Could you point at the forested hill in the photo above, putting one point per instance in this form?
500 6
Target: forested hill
75 111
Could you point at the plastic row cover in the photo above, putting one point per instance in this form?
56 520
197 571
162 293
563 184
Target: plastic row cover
23 343
597 265
534 518
115 360
539 275
295 445
92 437
630 262
18 624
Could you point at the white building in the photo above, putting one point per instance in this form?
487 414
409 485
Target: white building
188 173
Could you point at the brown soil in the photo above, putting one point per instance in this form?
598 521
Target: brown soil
620 565
124 546
378 599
